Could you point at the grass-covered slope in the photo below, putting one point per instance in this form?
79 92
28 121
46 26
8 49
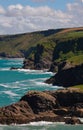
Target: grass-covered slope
69 46
63 45
18 45
44 47
57 49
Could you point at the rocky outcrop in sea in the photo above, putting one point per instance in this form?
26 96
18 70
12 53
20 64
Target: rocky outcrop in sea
67 75
56 106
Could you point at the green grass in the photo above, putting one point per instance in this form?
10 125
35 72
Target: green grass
78 59
78 86
15 44
69 35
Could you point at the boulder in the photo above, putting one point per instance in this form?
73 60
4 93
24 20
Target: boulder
47 106
72 121
40 101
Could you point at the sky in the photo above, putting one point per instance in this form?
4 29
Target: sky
21 16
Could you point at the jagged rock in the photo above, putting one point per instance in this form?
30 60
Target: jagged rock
16 113
68 76
73 121
40 101
47 106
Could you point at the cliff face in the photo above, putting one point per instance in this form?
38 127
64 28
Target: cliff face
68 76
20 45
47 106
44 48
56 48
38 60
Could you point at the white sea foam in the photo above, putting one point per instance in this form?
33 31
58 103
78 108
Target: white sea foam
39 123
57 87
25 70
4 69
30 71
4 85
81 119
35 71
10 93
10 85
14 63
41 84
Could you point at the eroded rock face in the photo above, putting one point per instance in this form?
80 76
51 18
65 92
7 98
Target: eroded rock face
47 106
72 121
16 113
40 101
68 76
38 61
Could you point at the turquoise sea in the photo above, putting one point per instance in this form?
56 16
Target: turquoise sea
15 83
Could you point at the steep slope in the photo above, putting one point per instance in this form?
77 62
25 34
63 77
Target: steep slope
17 45
68 77
65 45
43 49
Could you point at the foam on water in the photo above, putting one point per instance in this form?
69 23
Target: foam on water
4 85
81 119
38 123
41 126
4 69
14 84
44 123
35 71
10 93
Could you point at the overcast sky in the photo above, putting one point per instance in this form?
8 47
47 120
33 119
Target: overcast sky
20 16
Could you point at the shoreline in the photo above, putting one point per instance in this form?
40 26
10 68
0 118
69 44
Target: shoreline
40 123
45 105
48 106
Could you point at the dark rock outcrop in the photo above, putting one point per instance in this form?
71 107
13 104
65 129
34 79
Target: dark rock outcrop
72 121
58 66
57 106
37 61
68 76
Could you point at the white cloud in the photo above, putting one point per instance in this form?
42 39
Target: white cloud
19 19
2 11
76 10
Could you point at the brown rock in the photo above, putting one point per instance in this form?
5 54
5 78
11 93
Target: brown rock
72 121
47 106
40 101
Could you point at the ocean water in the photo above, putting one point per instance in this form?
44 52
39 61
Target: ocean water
15 83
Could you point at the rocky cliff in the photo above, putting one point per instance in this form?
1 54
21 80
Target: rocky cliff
64 45
41 49
57 106
67 75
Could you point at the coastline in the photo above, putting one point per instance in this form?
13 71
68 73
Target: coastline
44 99
42 126
45 106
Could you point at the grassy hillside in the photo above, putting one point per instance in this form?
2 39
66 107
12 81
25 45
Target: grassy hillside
17 45
65 45
58 45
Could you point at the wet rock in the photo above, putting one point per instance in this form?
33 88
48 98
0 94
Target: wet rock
73 121
47 106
